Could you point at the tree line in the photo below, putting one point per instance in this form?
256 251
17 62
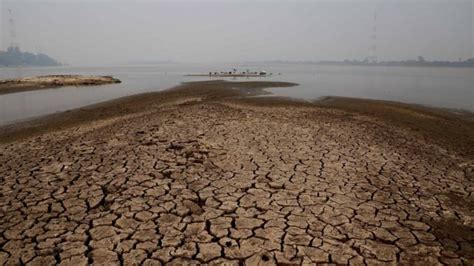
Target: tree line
13 56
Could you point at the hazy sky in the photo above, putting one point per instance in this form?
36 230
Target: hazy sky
109 32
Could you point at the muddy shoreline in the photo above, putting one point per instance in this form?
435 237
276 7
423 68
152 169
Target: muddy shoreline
203 174
52 81
443 126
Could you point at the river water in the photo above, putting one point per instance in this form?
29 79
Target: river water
439 87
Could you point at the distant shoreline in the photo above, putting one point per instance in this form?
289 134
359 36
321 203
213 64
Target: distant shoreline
408 63
396 65
249 63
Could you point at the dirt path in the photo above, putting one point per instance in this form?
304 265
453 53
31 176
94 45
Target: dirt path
199 175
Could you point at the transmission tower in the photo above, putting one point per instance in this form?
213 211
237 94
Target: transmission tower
372 58
12 29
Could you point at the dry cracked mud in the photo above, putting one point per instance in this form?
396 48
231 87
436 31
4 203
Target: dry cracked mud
208 179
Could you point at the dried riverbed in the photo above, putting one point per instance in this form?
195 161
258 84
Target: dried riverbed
201 174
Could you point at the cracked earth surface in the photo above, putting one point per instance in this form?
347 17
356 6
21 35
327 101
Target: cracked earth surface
227 182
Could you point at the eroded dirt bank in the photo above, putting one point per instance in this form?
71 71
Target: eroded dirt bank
52 81
199 174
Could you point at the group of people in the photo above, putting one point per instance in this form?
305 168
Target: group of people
234 72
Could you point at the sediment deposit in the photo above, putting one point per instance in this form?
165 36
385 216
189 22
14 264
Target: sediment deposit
52 81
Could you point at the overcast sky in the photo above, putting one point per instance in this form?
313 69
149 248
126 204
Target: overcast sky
110 32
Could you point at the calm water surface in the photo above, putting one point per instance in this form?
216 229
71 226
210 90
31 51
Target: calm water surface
440 87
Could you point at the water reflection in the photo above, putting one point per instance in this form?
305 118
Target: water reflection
443 87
